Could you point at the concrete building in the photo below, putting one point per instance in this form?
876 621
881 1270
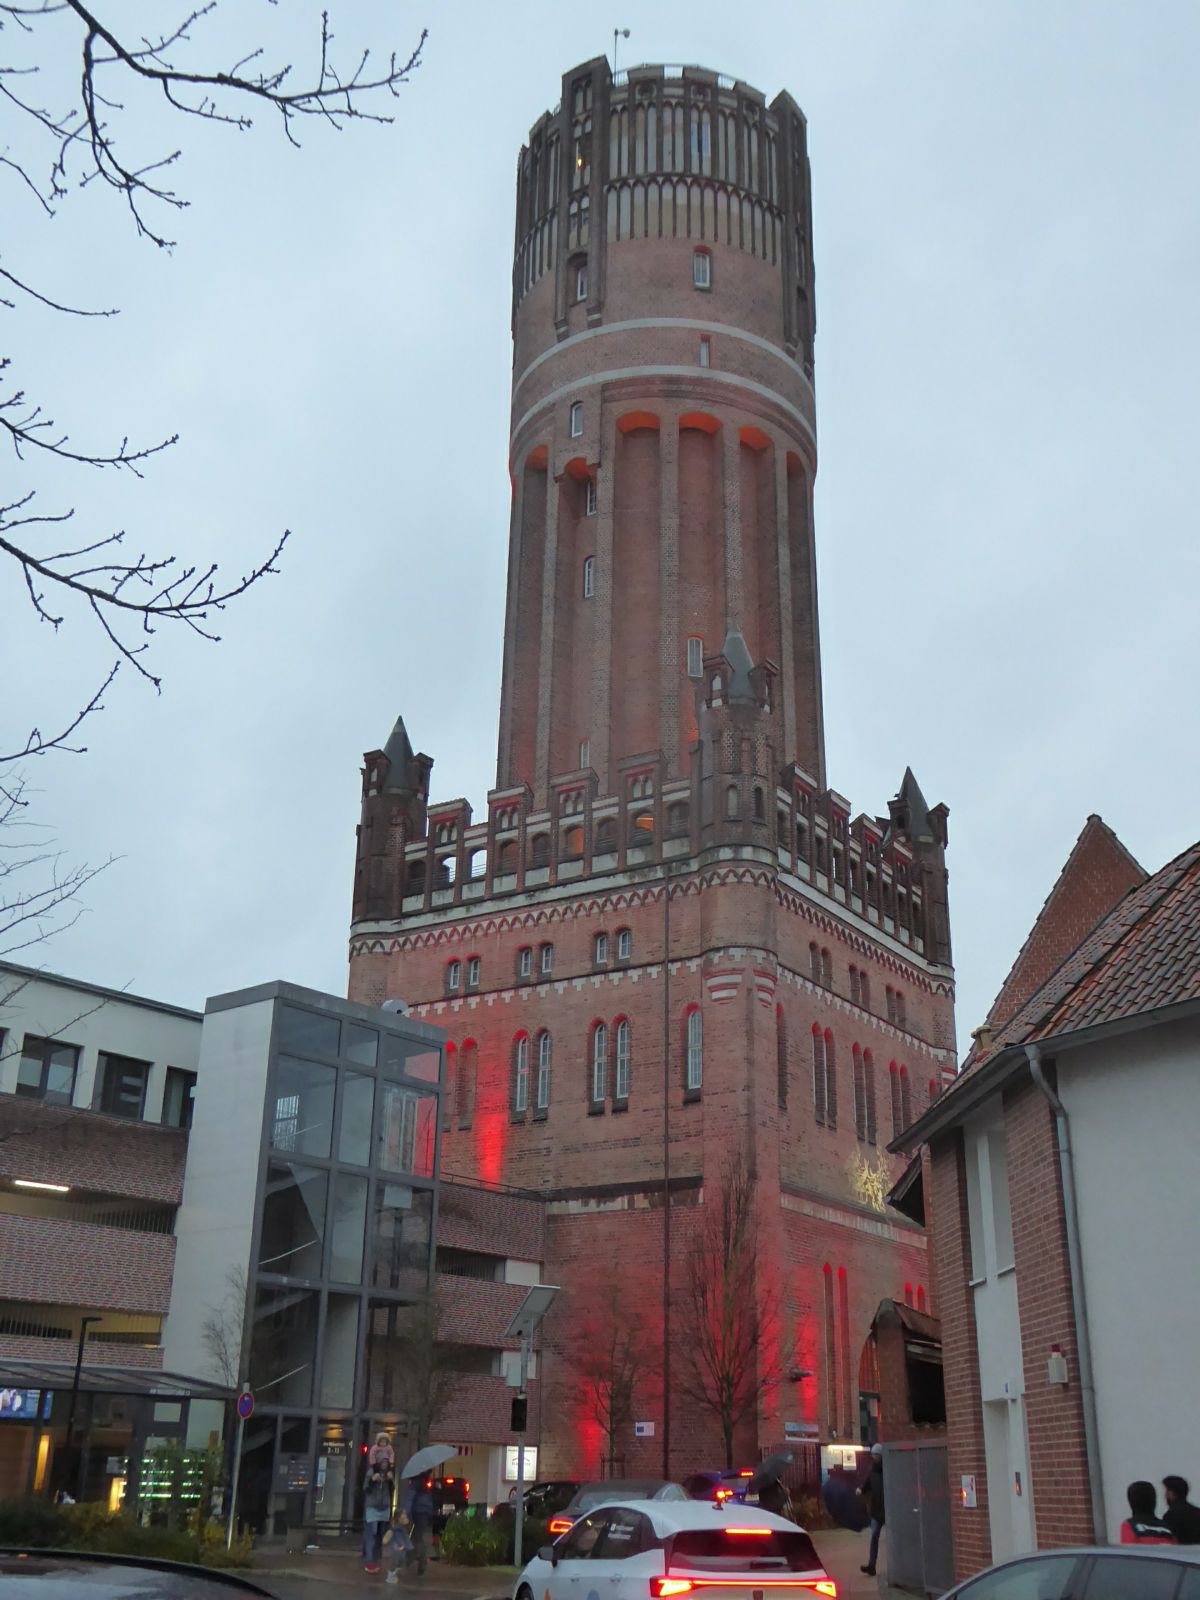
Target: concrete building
669 949
1062 1187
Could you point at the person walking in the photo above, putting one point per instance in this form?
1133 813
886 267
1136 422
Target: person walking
1181 1516
379 1489
418 1507
1143 1526
872 1491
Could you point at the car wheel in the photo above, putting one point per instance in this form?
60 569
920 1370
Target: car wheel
524 1592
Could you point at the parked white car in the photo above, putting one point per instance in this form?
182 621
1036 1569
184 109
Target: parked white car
663 1549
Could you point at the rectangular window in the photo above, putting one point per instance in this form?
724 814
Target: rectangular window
547 958
621 1087
406 1130
473 970
624 945
358 1105
701 269
600 954
576 419
543 1073
525 962
695 657
585 753
521 1084
695 1050
303 1107
589 504
123 1085
178 1098
706 352
589 577
581 282
599 1063
47 1070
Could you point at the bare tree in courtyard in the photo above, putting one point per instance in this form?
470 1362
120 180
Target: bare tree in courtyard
221 1330
728 1343
414 1370
609 1353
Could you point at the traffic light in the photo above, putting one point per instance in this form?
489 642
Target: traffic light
520 1413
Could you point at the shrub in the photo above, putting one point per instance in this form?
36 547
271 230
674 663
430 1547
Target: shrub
534 1535
473 1542
38 1525
809 1511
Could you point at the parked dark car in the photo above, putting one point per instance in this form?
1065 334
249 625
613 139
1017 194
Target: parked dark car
542 1500
1138 1572
600 1493
449 1495
729 1483
71 1575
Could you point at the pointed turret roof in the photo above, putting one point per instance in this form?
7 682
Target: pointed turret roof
399 754
910 811
741 666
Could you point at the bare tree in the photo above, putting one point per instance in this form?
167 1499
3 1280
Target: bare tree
222 1328
49 152
730 1355
609 1353
418 1377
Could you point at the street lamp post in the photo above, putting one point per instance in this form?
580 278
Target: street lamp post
84 1324
523 1326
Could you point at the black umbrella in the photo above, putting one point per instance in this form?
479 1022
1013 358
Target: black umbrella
768 1473
843 1502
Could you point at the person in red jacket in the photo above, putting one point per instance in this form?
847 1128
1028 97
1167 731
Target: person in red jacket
1143 1525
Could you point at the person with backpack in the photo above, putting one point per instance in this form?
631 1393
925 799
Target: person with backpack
1143 1526
872 1493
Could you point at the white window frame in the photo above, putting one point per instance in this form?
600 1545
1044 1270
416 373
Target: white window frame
589 577
589 498
705 351
624 944
525 962
454 977
621 1082
576 419
581 281
599 1063
695 1050
695 656
546 960
585 753
543 1072
521 1086
600 949
701 269
474 969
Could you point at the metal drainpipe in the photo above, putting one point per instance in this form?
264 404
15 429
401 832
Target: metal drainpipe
1083 1343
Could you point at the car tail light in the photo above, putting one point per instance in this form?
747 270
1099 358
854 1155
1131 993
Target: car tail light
823 1586
466 1487
559 1525
661 1588
447 1480
724 1494
746 1472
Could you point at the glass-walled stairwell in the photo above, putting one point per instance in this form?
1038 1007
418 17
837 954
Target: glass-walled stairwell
339 1293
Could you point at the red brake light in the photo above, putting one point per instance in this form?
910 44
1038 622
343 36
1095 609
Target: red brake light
466 1487
751 1533
724 1494
823 1586
661 1588
447 1480
746 1472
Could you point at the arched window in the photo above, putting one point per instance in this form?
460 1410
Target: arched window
702 269
525 961
864 991
572 843
732 804
853 985
624 944
589 577
520 1091
860 1095
543 1072
694 1077
830 1351
894 1083
933 1090
677 820
506 857
908 1294
450 1086
818 1053
831 1094
606 837
600 950
826 969
920 1297
905 1097
781 1057
599 1063
468 1069
539 850
414 876
760 804
621 1083
814 962
546 959
454 977
869 1077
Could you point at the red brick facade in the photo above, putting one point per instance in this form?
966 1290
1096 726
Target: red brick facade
799 1009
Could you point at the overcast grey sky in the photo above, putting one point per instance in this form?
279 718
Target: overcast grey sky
1006 234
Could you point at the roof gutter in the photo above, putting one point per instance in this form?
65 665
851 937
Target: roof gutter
1083 1343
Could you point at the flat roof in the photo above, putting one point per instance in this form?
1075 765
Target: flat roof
17 1373
43 976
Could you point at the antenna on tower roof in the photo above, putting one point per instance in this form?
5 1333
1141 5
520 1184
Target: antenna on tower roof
618 33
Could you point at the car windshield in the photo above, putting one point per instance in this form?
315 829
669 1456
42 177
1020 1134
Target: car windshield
40 1575
738 1550
597 1494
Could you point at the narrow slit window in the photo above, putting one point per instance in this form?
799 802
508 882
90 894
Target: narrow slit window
695 1050
621 1086
695 657
581 281
576 419
589 577
589 502
706 352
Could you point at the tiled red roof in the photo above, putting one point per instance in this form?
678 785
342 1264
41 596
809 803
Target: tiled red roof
1143 956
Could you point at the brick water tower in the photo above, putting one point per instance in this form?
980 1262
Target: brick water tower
669 952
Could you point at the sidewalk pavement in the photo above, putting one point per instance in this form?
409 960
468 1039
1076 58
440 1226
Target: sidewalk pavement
336 1574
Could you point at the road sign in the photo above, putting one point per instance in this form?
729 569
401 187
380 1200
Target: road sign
245 1405
643 1430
